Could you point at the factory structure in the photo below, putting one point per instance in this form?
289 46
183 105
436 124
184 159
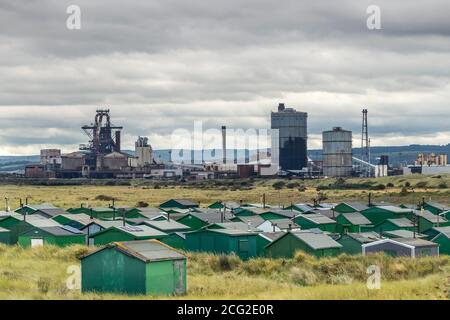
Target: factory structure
102 157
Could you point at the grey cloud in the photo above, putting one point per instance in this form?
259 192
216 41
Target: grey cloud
162 64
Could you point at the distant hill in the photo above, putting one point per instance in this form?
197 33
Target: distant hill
397 155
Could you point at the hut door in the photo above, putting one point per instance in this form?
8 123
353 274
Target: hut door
179 276
37 242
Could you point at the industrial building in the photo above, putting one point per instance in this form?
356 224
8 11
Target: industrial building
293 137
337 153
101 157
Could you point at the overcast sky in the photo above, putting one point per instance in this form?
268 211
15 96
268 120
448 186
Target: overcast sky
161 64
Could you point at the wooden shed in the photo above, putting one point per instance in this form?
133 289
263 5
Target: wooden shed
435 207
351 222
410 247
379 214
443 240
350 207
264 239
59 236
276 214
316 220
392 224
428 220
278 225
223 241
137 267
32 208
4 236
125 233
352 242
77 221
167 226
300 207
175 240
311 242
197 220
179 203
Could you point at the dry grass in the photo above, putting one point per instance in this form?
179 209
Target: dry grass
41 273
208 192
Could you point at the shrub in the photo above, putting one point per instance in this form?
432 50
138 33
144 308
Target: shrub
43 285
278 185
340 279
390 185
421 184
292 185
302 188
227 262
404 192
443 185
142 204
302 277
407 184
378 187
102 197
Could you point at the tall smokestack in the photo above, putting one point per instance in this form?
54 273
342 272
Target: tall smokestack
117 146
224 144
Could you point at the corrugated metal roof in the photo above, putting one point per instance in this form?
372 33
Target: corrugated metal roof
272 236
145 250
80 217
39 221
254 220
285 213
236 226
141 231
403 234
442 229
316 240
303 207
211 217
165 225
358 206
233 232
42 206
365 237
401 222
59 231
416 242
285 224
395 209
105 224
438 205
433 218
53 212
317 218
356 218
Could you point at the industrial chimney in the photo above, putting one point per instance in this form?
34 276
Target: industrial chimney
117 145
224 144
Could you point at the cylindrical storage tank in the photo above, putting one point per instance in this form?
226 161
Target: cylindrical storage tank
337 153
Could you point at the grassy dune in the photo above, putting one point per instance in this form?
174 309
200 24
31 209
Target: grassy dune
41 273
206 192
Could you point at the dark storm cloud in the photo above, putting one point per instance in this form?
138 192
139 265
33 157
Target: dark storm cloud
162 64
